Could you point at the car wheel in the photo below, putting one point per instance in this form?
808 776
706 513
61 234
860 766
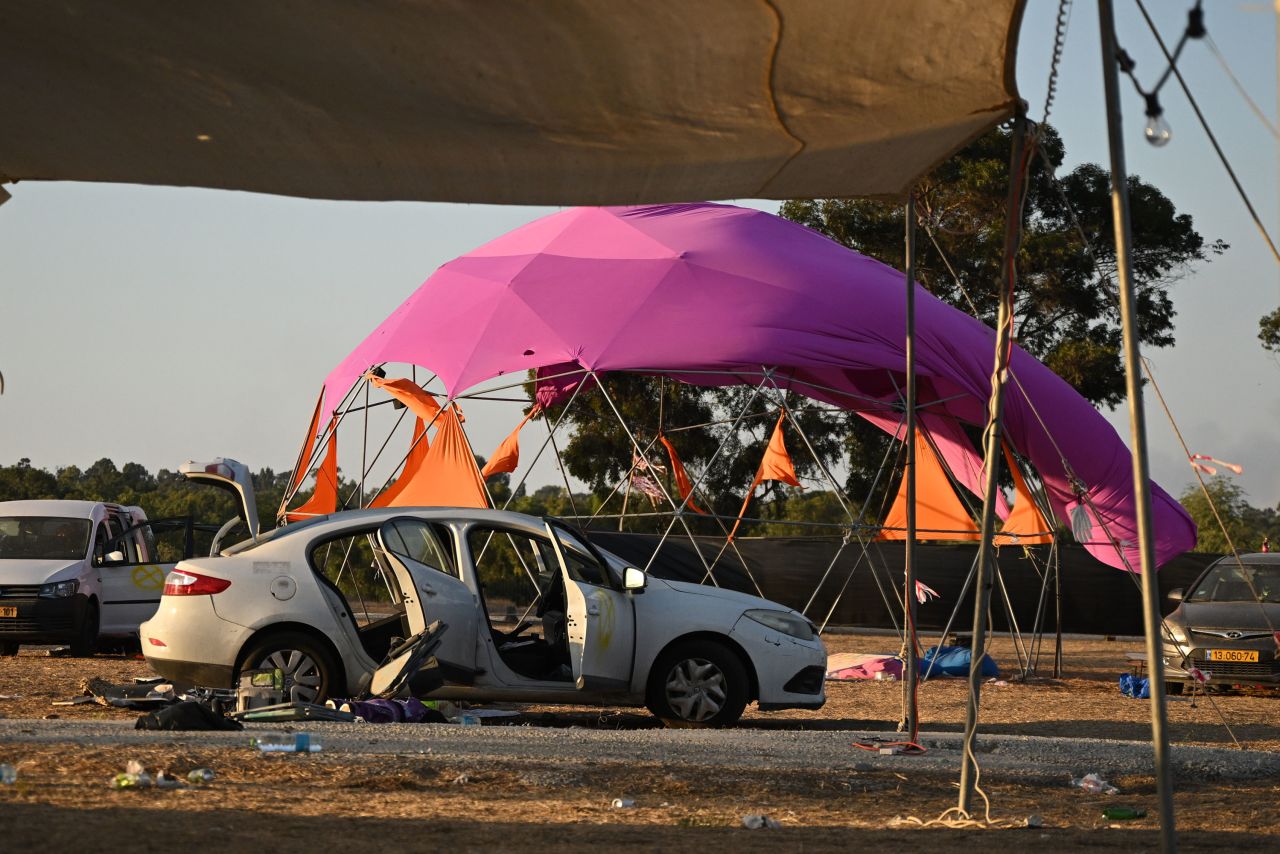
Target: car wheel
85 643
698 684
311 675
9 648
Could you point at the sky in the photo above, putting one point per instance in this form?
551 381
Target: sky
157 325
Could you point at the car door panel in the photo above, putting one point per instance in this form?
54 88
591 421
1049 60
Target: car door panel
599 619
432 594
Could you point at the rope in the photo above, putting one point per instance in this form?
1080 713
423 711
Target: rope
1257 111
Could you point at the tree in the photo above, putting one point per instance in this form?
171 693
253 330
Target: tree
1246 525
1269 331
1066 315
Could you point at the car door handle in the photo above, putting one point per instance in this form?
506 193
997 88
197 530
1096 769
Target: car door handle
430 591
593 610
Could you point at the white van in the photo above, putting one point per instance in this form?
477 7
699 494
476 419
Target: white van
72 571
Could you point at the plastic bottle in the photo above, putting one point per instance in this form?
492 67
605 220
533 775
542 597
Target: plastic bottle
199 776
8 774
1123 813
286 742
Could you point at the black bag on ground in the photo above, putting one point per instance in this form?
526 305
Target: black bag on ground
189 715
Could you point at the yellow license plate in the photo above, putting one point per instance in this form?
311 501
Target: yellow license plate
1233 655
8 611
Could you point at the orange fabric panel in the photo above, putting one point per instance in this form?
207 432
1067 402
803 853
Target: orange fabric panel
938 508
683 484
418 447
304 459
448 476
1026 525
776 465
507 458
324 499
409 393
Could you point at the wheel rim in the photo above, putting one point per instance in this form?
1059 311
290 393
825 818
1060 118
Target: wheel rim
301 672
696 689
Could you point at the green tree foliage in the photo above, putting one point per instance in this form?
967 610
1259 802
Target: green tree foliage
1269 331
1065 313
1247 525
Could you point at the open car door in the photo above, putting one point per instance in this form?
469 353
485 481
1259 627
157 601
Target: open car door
599 616
432 590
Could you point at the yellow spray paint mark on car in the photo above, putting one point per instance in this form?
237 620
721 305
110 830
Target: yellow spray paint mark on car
606 620
148 577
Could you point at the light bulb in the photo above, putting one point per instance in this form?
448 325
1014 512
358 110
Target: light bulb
1157 131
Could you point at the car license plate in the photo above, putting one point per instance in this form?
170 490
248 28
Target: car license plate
8 611
1233 655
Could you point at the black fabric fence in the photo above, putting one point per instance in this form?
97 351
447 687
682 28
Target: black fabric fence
1095 598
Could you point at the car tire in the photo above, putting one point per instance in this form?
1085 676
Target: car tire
85 643
698 683
312 674
9 648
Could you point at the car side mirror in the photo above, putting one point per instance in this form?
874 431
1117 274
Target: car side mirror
634 579
1175 595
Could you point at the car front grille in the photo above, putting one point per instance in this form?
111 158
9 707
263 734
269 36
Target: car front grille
41 625
19 591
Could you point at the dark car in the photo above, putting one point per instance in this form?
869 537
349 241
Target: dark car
1226 625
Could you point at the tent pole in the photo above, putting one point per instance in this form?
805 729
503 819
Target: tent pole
991 456
1137 425
911 665
1057 617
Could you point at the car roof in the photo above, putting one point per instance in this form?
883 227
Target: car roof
1251 557
375 516
51 507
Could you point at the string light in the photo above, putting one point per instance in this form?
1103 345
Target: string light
1157 130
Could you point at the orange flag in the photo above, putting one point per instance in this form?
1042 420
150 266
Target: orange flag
324 499
418 447
776 465
940 515
507 458
683 484
308 444
448 476
409 393
1026 525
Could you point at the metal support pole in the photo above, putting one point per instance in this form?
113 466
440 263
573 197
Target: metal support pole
991 452
911 665
1137 426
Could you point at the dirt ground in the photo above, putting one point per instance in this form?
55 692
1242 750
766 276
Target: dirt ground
296 803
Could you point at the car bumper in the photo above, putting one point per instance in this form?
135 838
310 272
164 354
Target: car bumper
789 671
43 620
206 658
1264 671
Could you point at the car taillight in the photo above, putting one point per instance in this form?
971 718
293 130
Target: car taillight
182 582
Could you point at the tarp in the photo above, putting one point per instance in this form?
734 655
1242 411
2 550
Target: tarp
713 294
572 102
324 499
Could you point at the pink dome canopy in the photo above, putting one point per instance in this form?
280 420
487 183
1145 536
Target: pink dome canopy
714 294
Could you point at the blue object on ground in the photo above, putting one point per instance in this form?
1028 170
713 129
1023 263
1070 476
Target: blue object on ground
1135 687
954 661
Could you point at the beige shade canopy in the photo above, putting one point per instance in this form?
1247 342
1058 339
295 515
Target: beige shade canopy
556 102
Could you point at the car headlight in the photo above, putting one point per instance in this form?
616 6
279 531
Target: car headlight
781 621
59 589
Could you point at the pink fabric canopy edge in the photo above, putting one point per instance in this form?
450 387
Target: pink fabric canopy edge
682 290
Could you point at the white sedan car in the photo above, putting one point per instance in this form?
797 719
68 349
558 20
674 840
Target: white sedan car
534 613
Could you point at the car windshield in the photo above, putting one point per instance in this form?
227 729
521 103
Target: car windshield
43 538
1233 582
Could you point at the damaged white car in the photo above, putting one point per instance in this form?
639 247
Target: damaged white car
534 613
